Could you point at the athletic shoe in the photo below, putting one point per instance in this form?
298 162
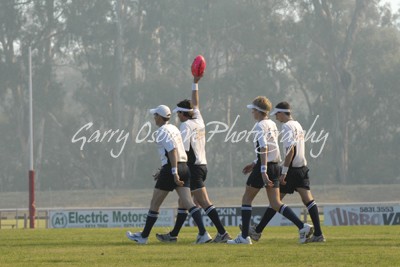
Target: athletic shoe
317 239
201 239
240 240
252 232
221 238
137 237
305 233
167 238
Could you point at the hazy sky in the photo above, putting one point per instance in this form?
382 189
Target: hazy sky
394 3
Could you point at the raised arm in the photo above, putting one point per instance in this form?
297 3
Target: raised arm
195 91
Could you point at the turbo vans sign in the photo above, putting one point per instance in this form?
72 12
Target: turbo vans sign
362 215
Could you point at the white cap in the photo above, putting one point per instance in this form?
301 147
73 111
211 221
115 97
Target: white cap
276 110
162 110
251 106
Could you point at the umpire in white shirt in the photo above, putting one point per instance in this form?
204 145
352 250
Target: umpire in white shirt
193 133
294 172
174 174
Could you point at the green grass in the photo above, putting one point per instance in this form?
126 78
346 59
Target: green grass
345 246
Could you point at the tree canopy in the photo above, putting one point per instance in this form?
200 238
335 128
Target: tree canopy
106 62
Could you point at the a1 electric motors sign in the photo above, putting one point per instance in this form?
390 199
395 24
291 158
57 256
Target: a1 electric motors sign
107 218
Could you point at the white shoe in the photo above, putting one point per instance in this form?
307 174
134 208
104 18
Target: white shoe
252 232
201 239
305 233
240 240
137 237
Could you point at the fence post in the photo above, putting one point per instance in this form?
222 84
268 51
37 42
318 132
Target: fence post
47 219
25 221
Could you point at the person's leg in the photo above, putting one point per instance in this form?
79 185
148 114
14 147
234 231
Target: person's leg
276 204
305 230
187 202
312 208
180 219
156 201
152 216
200 195
247 200
267 217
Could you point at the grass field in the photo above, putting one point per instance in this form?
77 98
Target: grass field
345 246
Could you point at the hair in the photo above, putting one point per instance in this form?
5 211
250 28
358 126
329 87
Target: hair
186 103
163 118
284 105
263 103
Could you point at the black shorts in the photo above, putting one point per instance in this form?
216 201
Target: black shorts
296 178
255 178
198 174
166 180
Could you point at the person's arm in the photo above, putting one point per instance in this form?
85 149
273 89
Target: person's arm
195 92
170 146
288 158
173 158
263 146
248 168
264 161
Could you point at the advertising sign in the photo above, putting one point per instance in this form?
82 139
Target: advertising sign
362 215
107 218
231 216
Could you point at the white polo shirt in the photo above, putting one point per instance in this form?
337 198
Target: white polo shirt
168 138
266 135
293 135
194 138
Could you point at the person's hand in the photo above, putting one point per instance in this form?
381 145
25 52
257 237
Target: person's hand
282 179
178 180
156 175
267 181
248 168
196 79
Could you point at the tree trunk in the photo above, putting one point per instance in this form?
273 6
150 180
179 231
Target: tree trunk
230 166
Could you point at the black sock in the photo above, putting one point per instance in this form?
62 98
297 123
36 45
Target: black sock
268 215
213 214
151 219
180 220
313 211
288 213
196 215
246 217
